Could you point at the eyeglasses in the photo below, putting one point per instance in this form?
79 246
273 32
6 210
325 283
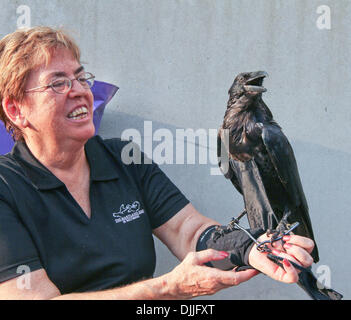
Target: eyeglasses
64 84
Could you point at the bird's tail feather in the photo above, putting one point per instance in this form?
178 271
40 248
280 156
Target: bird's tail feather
310 284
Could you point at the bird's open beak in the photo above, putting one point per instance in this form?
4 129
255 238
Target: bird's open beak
254 84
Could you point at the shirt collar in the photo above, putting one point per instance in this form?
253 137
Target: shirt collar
102 164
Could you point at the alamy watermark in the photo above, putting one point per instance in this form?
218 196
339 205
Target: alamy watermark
323 276
166 147
323 21
23 281
24 16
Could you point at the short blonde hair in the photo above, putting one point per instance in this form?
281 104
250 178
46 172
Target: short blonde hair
21 52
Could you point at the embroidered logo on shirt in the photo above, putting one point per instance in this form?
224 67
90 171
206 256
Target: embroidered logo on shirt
128 212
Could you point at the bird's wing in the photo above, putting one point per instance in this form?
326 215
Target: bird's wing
224 163
245 178
283 159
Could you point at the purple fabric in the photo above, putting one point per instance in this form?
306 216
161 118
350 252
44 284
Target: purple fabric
103 92
6 141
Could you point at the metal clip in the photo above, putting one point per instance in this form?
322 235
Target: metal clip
262 246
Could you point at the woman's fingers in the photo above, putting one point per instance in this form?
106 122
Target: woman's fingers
228 278
242 276
207 255
299 254
191 278
285 255
290 272
297 247
300 241
287 273
293 248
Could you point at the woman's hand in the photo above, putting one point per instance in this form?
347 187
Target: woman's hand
191 278
296 249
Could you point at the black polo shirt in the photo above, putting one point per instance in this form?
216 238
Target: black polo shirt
42 226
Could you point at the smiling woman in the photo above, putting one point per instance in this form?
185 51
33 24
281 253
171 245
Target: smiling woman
22 52
103 92
53 111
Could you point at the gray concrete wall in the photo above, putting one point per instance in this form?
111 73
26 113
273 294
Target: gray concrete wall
174 61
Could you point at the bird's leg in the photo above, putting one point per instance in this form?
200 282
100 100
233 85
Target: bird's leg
283 223
270 229
282 226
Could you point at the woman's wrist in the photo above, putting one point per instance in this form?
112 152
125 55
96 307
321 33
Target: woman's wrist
159 288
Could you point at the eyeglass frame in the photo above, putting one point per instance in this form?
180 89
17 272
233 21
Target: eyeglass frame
70 81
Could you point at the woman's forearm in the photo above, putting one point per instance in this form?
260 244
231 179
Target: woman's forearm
150 289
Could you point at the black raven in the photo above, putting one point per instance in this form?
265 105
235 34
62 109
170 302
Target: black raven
257 157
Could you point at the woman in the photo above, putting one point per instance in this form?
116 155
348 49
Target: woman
78 217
